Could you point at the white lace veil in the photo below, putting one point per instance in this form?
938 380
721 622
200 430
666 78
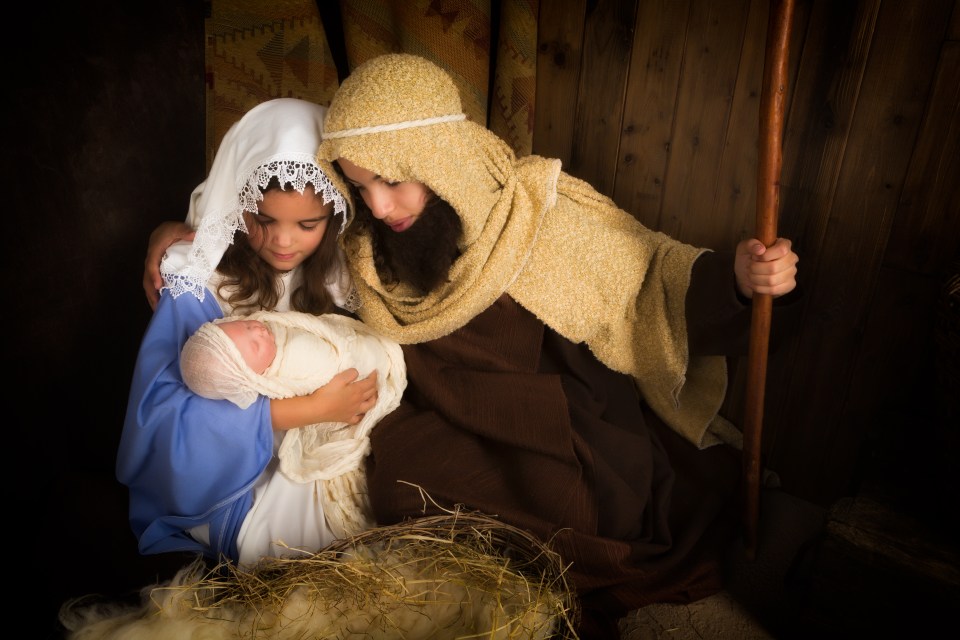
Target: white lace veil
277 138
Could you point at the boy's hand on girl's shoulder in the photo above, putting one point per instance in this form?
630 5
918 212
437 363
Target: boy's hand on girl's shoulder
160 239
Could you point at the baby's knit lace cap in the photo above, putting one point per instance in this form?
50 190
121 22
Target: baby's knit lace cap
213 367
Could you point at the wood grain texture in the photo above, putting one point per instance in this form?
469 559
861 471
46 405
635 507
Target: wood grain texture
710 63
926 228
734 210
655 64
559 52
868 184
853 236
607 38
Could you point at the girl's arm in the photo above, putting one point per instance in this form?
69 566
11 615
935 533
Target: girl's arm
181 456
343 399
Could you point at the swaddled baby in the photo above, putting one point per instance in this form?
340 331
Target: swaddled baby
286 354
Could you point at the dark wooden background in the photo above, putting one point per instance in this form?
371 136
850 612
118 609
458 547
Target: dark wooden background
655 103
105 111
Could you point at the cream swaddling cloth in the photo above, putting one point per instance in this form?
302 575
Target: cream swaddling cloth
310 351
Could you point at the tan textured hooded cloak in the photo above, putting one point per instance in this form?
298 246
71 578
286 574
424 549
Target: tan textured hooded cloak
565 252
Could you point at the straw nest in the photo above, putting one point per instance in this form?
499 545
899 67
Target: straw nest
457 575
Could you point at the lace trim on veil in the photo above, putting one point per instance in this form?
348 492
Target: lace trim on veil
216 230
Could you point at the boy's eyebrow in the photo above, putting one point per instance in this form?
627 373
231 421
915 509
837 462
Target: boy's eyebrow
357 184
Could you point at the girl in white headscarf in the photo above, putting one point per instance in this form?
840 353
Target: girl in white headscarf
202 473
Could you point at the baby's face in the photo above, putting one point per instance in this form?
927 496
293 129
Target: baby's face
254 340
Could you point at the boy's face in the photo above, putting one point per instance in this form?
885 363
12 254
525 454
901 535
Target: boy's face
396 204
254 340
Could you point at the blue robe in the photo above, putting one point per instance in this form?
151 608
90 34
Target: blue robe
186 460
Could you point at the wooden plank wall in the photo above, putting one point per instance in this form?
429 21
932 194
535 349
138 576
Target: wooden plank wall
655 102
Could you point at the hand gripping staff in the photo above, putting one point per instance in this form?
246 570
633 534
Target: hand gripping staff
772 105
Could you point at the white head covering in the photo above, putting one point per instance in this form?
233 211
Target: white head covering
275 139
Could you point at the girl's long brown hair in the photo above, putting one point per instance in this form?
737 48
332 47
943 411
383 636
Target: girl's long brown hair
251 284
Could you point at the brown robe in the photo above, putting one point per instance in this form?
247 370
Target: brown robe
507 417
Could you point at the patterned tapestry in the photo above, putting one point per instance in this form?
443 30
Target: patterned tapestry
457 35
261 50
256 51
515 82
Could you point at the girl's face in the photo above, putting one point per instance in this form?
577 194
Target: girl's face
288 226
397 204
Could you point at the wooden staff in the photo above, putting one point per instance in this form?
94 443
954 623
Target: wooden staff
772 105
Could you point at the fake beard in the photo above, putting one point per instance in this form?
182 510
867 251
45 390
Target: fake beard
422 255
